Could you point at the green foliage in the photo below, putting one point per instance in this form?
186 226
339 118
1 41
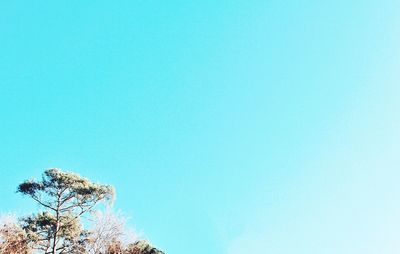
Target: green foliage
42 226
138 247
66 189
142 247
65 197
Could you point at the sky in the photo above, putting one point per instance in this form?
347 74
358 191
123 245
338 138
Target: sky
226 127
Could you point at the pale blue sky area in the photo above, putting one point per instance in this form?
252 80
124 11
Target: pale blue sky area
228 127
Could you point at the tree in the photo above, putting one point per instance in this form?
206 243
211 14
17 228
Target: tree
65 198
138 247
13 239
142 247
108 232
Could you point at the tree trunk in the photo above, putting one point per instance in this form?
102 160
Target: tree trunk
55 237
54 249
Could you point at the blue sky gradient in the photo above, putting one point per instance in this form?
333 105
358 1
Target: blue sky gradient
226 126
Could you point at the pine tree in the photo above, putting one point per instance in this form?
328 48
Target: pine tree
65 197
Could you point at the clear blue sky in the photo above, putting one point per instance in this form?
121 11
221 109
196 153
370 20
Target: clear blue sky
226 127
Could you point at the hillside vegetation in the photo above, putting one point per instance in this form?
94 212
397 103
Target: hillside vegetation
74 218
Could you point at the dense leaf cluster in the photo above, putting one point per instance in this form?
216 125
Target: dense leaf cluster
139 247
